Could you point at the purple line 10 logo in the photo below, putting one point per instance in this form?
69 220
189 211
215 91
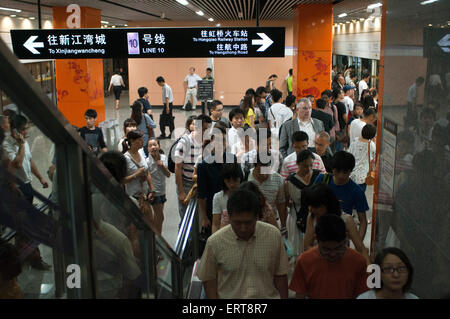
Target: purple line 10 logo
133 42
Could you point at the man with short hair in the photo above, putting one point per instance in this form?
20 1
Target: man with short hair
278 113
166 118
349 92
349 194
143 98
330 270
92 134
260 102
191 85
247 258
320 114
216 111
303 122
18 152
235 138
322 148
357 125
299 143
363 84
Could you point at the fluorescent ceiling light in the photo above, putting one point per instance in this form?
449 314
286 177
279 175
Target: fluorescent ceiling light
200 12
218 25
183 2
9 9
361 19
342 15
13 16
428 2
211 19
32 18
375 5
125 25
105 22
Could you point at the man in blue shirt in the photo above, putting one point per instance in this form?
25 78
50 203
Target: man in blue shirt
350 195
143 98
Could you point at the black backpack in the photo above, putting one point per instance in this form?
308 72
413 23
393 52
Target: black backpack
170 162
302 213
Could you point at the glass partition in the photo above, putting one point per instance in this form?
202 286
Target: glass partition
412 200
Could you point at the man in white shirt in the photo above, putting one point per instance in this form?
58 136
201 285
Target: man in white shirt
278 113
17 150
166 118
190 85
348 98
412 114
357 125
363 84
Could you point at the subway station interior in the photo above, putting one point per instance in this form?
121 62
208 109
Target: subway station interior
69 229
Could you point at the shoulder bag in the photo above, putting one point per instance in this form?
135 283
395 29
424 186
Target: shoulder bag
370 178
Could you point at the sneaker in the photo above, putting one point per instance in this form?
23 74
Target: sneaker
40 265
161 137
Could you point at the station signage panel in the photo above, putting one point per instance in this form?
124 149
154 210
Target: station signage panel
148 43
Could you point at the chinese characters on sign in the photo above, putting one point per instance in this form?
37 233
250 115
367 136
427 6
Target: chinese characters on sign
157 39
228 42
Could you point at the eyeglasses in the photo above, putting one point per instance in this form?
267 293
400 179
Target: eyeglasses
391 270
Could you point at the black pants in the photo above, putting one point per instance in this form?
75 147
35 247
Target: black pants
166 119
27 191
117 90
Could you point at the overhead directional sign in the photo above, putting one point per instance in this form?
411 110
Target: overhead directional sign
436 42
148 43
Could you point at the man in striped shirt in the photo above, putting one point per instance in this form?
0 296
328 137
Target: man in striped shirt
299 143
188 149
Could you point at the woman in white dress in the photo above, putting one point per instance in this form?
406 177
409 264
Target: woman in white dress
294 185
360 150
396 276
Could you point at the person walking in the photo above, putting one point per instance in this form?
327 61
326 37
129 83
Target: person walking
166 118
116 83
191 85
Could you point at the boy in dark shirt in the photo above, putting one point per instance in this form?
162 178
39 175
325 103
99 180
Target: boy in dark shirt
92 134
143 98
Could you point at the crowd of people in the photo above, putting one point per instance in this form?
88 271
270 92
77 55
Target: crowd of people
277 173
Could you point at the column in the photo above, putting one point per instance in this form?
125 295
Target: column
313 39
79 82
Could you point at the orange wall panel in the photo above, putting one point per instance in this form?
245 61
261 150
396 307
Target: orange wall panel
313 38
79 82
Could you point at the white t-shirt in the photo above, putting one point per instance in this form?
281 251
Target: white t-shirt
308 129
167 92
220 201
348 102
362 86
157 173
11 149
136 186
116 80
192 80
412 93
371 295
355 129
234 142
278 114
360 152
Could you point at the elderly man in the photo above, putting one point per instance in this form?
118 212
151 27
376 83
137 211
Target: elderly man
304 123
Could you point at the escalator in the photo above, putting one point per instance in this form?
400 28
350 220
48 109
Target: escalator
86 222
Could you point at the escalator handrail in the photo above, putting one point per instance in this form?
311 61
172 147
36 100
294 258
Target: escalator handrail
186 228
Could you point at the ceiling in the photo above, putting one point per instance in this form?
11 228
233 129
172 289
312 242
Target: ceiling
120 12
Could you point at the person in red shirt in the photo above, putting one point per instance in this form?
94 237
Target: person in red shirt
330 270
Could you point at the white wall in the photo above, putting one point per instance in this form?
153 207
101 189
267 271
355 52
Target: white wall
360 39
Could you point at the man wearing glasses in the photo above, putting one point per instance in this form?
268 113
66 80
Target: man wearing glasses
303 122
330 270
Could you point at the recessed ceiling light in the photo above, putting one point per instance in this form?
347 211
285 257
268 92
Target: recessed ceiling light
375 5
125 25
183 2
361 19
13 16
428 2
218 25
211 19
342 15
200 12
347 21
32 18
9 9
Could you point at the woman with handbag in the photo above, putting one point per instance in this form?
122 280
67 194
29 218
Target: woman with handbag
363 149
294 185
138 182
144 123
